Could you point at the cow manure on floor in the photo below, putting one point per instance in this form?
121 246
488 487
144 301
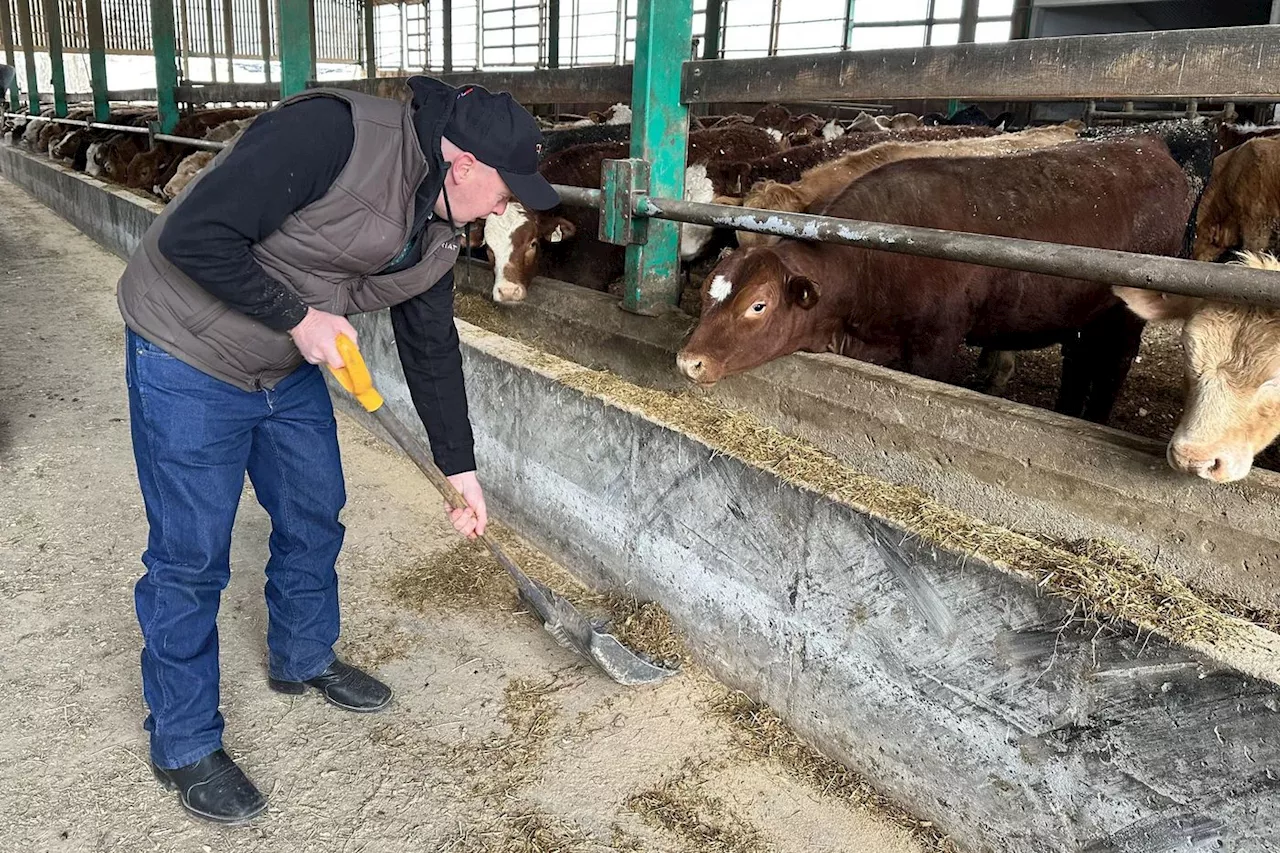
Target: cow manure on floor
761 735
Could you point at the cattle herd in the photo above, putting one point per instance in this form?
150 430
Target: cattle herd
1183 189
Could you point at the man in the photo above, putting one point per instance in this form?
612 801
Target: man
332 203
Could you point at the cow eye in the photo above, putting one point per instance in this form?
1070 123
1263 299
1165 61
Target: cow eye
759 307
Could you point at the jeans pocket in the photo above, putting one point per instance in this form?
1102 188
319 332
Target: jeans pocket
142 346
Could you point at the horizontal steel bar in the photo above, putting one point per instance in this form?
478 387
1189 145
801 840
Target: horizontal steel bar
125 128
202 144
1107 266
1130 269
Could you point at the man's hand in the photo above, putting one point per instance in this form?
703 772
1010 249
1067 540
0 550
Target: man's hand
471 521
317 337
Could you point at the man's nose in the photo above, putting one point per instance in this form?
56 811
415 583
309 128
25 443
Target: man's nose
500 208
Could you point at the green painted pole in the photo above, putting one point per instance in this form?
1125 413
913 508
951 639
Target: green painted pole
29 53
53 34
164 43
660 136
295 46
97 58
6 36
553 33
848 25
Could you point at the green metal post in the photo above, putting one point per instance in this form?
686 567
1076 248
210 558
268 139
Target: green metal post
29 52
264 35
660 136
295 46
53 33
6 36
848 25
97 58
164 43
447 21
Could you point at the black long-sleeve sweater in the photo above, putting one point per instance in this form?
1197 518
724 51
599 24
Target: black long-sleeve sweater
287 159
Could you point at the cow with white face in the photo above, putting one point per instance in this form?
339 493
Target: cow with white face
511 240
1231 354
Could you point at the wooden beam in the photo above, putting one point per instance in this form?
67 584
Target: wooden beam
53 35
1230 63
164 42
96 58
29 54
6 36
609 83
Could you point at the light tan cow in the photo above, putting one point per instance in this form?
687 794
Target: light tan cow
1241 205
825 181
1232 357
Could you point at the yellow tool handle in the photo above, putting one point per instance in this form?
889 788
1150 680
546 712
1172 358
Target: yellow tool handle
354 375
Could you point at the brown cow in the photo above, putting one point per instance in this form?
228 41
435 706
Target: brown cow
738 176
1241 205
825 181
1232 358
915 312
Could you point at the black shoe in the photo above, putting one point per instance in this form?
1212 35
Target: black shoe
343 685
215 789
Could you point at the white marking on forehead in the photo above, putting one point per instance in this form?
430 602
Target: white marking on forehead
498 233
775 133
831 130
720 288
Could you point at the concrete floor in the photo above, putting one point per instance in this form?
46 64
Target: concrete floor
498 740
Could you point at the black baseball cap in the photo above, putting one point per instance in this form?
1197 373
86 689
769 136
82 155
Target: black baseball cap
502 134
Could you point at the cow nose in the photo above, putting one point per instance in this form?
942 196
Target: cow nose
508 291
692 366
1203 462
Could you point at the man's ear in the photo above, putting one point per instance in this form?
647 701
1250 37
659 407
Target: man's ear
1154 305
556 228
802 291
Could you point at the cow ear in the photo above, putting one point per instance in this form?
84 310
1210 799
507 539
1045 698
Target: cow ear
802 291
557 229
1154 305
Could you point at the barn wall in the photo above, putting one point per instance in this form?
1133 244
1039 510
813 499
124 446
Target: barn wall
956 686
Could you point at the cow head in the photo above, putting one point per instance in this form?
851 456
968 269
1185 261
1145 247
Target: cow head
512 241
1231 354
755 307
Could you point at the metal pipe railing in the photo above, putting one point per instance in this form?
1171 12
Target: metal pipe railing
203 144
1108 266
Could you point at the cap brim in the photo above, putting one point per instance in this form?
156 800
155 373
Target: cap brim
532 191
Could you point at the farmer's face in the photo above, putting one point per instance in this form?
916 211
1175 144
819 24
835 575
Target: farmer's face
475 190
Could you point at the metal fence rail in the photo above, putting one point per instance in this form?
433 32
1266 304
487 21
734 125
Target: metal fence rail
1129 269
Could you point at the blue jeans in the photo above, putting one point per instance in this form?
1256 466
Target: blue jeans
194 437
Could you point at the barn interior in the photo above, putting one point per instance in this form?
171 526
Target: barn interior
924 581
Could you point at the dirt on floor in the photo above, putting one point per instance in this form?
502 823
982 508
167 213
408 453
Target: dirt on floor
498 739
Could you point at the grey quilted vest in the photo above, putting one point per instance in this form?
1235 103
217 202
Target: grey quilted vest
327 253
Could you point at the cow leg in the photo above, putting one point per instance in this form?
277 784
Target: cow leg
995 369
1096 362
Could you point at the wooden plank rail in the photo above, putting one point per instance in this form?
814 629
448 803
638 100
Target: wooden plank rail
604 84
1230 63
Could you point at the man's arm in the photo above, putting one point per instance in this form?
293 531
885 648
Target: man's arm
427 341
286 159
